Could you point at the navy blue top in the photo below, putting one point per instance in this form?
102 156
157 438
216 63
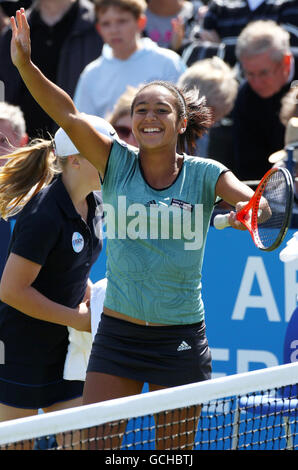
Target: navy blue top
51 233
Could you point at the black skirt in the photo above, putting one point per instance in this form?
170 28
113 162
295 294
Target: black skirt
34 397
31 375
160 355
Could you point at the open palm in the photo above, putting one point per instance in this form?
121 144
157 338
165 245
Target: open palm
20 48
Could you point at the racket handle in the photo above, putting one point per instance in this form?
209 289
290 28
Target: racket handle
221 221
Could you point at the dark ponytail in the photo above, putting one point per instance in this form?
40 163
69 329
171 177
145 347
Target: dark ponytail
199 119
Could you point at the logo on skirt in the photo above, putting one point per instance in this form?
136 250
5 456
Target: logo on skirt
183 346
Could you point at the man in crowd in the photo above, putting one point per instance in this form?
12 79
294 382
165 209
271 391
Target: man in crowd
268 66
225 19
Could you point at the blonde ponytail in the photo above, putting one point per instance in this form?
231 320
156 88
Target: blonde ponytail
25 172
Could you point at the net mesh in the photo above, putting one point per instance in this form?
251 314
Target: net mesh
253 411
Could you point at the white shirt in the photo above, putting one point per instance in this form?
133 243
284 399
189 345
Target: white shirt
104 80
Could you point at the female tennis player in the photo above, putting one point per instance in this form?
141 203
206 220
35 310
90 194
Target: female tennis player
152 328
56 240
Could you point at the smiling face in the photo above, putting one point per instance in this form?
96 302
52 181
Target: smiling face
154 120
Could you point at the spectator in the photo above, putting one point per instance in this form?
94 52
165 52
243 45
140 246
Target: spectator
120 118
169 22
225 19
127 59
216 81
268 65
64 40
289 117
12 128
280 159
12 135
289 105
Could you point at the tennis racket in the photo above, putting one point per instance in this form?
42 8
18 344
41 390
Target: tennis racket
268 213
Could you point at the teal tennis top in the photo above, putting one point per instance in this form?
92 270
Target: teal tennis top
156 238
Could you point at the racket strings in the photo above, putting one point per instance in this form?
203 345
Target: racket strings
272 210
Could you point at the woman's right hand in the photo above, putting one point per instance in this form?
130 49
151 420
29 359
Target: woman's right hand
20 48
233 219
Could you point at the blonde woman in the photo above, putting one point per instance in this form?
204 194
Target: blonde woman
44 283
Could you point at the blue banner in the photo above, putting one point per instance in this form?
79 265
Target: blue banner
249 298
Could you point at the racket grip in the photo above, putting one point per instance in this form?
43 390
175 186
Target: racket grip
221 221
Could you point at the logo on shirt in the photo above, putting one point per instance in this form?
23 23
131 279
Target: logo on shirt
77 242
186 206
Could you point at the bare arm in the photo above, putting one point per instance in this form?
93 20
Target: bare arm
235 193
55 102
16 290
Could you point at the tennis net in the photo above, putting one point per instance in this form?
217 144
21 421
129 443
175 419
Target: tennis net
256 410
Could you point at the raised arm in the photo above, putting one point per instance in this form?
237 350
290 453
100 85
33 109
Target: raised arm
55 102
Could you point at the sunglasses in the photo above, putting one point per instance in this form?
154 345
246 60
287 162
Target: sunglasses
123 131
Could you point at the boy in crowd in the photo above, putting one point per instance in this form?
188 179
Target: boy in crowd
126 59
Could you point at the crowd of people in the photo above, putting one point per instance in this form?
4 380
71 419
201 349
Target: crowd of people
136 89
95 55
